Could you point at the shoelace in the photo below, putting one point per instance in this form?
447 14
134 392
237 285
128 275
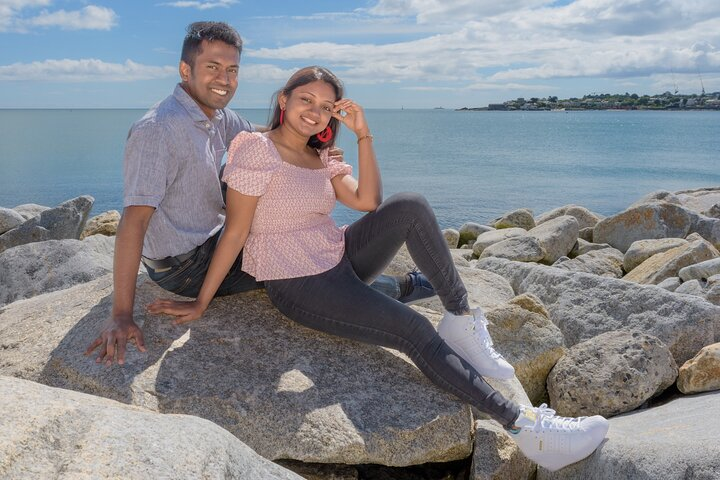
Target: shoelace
483 336
547 417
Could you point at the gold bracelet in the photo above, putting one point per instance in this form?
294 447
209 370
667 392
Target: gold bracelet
364 137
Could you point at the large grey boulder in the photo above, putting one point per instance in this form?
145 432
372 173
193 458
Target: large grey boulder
30 210
284 390
55 433
677 440
610 374
700 271
655 220
9 219
40 267
584 305
521 218
584 217
64 221
523 333
521 249
606 262
486 239
669 263
641 250
556 237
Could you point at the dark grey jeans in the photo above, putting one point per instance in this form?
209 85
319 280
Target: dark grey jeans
341 303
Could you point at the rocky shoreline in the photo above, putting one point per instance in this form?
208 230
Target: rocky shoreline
618 316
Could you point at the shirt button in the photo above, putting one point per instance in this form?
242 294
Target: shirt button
207 125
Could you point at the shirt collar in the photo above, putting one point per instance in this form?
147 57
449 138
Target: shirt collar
192 107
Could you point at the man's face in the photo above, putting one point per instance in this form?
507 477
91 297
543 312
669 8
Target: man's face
212 81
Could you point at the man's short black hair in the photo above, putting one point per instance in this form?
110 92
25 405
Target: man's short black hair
210 31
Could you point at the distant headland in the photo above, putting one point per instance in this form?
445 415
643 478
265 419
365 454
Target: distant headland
606 101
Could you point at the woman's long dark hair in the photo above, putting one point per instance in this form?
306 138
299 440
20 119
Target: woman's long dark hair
303 77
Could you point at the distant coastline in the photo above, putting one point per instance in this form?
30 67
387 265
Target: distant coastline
606 101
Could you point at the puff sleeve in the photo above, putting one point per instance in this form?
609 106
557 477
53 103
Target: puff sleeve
334 164
251 164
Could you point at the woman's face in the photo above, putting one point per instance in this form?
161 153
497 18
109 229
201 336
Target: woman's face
308 108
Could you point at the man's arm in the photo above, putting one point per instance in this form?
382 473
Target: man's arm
121 327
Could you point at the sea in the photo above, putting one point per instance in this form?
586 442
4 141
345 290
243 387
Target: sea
472 166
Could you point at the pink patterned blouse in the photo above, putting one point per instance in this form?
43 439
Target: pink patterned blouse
292 234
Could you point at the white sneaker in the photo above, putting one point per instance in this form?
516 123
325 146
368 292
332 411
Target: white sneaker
469 337
554 442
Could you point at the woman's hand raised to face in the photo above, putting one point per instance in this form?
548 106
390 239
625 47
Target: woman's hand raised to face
352 116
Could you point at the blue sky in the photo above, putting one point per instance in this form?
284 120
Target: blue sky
390 53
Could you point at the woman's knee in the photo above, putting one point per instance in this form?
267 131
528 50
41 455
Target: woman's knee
409 202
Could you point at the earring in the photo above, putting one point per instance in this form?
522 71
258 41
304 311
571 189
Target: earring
282 116
326 135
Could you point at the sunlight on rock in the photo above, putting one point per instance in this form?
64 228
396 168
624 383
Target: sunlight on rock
294 381
180 341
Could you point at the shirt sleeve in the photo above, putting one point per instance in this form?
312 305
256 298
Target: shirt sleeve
336 166
148 165
234 124
251 164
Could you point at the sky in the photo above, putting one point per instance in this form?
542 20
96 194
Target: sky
389 53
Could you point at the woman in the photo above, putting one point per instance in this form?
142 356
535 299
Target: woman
282 189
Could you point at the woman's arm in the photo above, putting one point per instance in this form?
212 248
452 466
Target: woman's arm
365 193
240 210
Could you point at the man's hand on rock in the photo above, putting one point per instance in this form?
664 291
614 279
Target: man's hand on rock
114 338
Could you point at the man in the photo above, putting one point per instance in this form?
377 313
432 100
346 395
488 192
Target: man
173 206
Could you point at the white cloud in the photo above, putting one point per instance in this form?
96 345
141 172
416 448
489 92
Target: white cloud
200 5
262 73
83 70
88 18
429 11
527 41
10 9
14 16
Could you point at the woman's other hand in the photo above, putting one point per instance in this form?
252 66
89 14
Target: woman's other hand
352 116
184 312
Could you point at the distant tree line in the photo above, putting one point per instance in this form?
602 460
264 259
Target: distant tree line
618 101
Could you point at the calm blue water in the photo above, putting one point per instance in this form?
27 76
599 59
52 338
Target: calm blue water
472 166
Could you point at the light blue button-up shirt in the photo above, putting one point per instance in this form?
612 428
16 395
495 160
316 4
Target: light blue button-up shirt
172 162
